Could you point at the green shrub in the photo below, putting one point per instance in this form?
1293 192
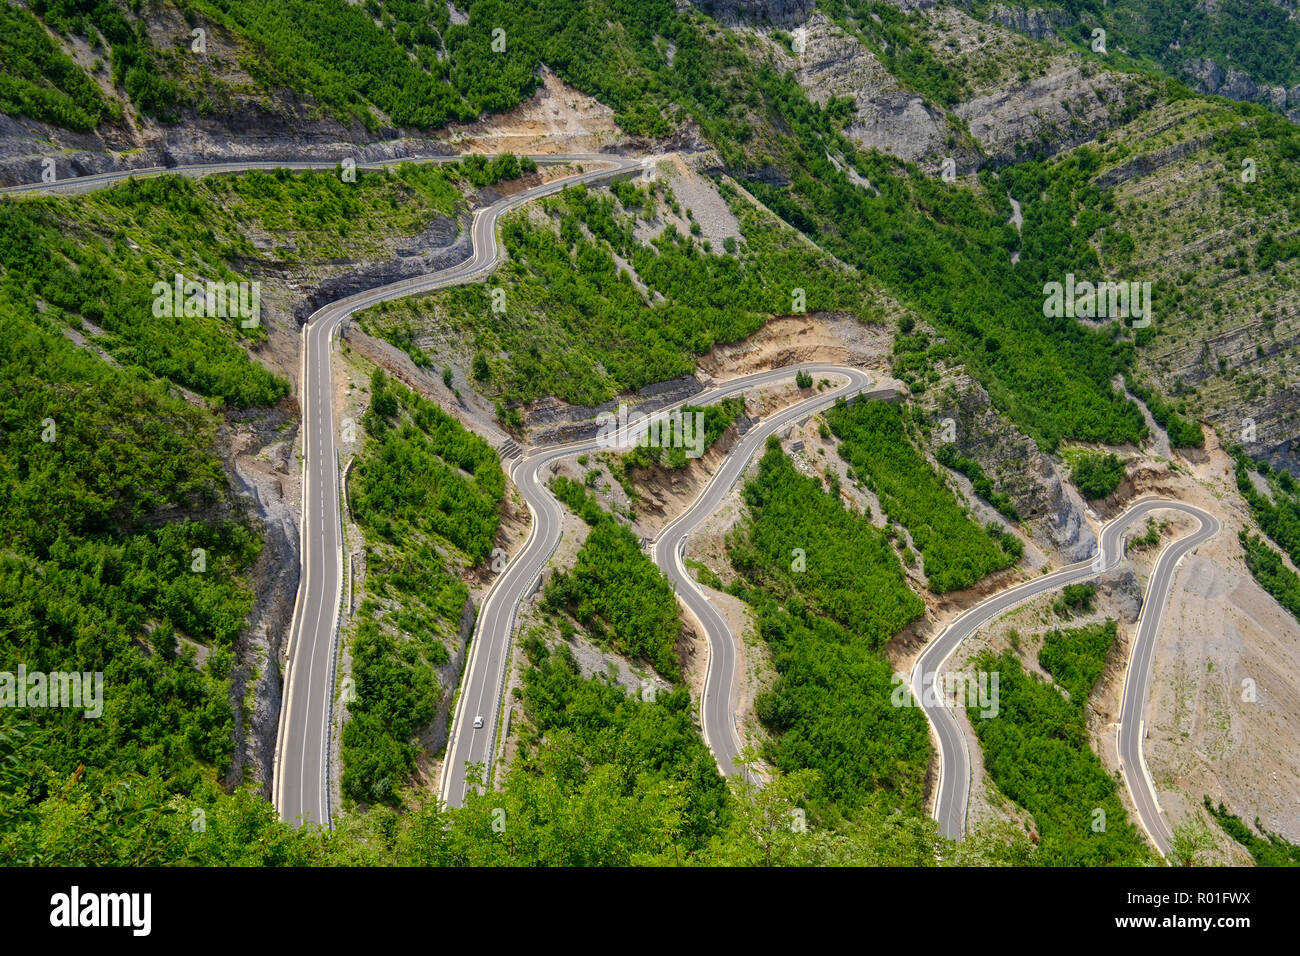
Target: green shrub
1097 474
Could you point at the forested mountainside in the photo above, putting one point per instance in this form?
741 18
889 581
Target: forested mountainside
925 171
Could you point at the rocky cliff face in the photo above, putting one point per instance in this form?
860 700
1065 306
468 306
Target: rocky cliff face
1122 592
434 737
1048 506
1036 24
887 117
1065 108
246 134
551 421
762 11
442 244
1207 76
259 456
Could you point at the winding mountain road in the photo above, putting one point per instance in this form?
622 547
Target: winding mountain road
93 181
303 744
302 751
1137 677
301 774
480 696
953 790
717 708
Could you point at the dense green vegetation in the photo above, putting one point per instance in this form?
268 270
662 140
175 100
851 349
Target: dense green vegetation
801 542
614 591
1096 474
1267 849
1273 576
1076 658
38 80
957 552
137 67
124 552
650 752
336 52
828 591
717 418
316 215
426 493
1036 750
59 253
1075 599
1182 432
604 779
404 62
831 710
421 70
1251 35
580 327
415 474
950 457
1278 514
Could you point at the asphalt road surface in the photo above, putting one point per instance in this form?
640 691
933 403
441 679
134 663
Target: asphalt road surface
472 748
1137 678
953 790
302 750
82 184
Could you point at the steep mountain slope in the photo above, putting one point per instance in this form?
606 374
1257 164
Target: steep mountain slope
804 170
1241 49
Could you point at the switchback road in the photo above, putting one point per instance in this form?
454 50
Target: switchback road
301 775
485 674
953 789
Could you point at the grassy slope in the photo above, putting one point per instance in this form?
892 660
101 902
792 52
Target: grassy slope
1036 750
828 592
957 552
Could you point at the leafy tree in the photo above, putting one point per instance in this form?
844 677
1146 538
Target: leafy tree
1096 474
956 551
615 591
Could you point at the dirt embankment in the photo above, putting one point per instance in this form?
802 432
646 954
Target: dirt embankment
791 339
556 119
